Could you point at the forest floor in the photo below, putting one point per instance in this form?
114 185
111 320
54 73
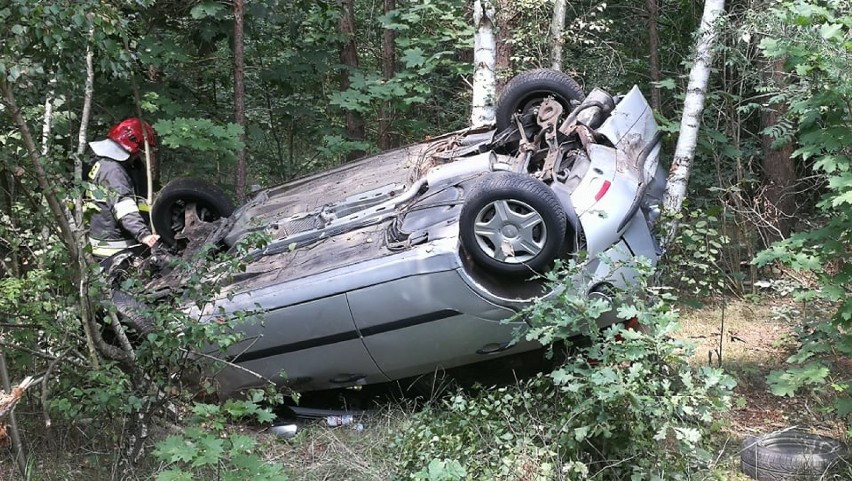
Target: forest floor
754 338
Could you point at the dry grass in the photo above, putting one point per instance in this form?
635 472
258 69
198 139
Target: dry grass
757 338
344 453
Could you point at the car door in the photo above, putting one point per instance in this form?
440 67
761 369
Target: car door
314 343
419 323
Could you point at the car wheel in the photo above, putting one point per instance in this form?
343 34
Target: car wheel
130 312
526 91
789 455
168 213
512 224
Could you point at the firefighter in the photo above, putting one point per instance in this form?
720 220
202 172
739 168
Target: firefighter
117 172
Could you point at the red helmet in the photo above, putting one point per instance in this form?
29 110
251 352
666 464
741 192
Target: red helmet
128 134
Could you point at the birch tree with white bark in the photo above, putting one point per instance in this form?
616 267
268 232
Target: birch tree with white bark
693 107
557 40
485 62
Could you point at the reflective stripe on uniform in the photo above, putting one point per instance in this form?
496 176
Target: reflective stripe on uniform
124 206
143 206
94 172
103 248
90 207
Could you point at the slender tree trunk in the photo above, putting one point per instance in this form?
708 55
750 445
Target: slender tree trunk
503 65
654 51
47 123
693 107
240 97
85 116
20 457
485 61
779 172
152 169
79 232
557 26
7 200
88 94
355 128
46 186
387 139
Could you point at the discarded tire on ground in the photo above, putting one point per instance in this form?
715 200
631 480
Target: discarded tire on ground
790 455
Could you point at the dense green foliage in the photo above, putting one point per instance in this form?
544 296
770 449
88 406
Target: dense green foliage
619 394
813 40
208 449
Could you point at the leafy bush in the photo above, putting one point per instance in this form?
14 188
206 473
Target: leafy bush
210 448
812 39
623 403
693 259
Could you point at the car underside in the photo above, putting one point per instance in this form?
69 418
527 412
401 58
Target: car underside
421 258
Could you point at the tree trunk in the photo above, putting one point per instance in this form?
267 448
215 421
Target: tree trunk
44 183
240 97
20 457
47 124
503 66
387 139
654 52
355 128
79 233
7 201
485 61
557 26
693 106
779 172
82 135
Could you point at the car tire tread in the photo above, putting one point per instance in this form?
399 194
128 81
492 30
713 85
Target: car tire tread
787 455
187 189
531 83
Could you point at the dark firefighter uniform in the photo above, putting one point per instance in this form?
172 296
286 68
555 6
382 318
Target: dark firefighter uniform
117 222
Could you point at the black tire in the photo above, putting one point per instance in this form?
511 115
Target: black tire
789 455
167 213
130 312
527 90
533 223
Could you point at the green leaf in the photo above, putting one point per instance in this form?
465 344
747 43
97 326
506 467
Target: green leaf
175 449
770 47
667 84
241 444
843 404
786 383
174 475
206 9
210 450
831 30
844 198
413 57
265 416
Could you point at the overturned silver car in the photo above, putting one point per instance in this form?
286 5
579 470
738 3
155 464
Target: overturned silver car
420 258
